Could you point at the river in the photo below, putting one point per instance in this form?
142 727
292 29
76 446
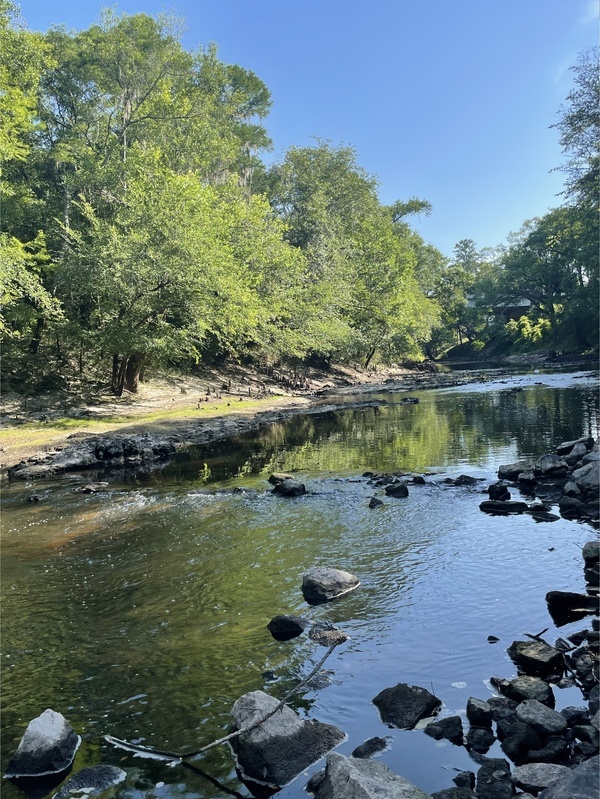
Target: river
141 611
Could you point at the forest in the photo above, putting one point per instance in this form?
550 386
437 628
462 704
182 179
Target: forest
142 226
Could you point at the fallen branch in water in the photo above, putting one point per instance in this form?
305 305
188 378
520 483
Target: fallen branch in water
181 756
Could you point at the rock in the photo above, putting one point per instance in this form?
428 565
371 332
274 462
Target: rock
90 488
325 634
554 750
352 778
449 727
403 705
419 480
511 471
503 507
581 783
576 454
567 446
90 781
409 401
574 508
549 464
397 490
543 719
566 606
464 779
503 708
479 713
278 477
535 658
284 628
591 552
466 480
527 478
591 457
321 584
595 721
594 700
370 747
493 780
575 715
479 739
454 793
34 498
549 490
586 733
47 747
517 740
374 502
289 488
536 776
587 478
525 687
283 746
498 491
571 490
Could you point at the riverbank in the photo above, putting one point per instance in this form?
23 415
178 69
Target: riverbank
186 411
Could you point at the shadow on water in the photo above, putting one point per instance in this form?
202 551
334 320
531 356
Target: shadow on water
141 611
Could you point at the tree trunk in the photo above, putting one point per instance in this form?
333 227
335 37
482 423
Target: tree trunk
115 372
135 364
370 357
34 344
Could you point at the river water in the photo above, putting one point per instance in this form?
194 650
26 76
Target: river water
141 611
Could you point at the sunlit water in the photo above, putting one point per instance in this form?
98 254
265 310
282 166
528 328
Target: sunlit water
141 611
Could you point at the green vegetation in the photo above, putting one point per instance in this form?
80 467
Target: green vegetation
141 227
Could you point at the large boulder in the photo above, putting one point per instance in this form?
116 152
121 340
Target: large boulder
353 778
550 464
321 584
536 776
48 746
91 781
403 705
567 446
587 478
289 488
280 748
510 471
581 783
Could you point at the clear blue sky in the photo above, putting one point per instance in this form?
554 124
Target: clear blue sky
447 100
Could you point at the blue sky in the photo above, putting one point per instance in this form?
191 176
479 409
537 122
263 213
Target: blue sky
446 100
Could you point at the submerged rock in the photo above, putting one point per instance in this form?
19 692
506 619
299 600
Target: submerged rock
279 749
449 727
353 778
289 488
398 490
370 747
403 705
503 507
284 628
321 584
47 747
90 781
566 606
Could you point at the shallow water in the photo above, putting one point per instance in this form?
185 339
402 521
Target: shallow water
140 612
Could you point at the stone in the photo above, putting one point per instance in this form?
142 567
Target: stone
403 705
90 781
374 502
284 628
503 708
321 584
518 739
498 491
526 687
278 477
594 700
279 749
549 464
511 471
325 634
493 780
479 739
449 727
535 658
591 457
353 778
576 454
454 793
419 480
48 746
536 776
591 552
479 713
370 747
567 446
543 719
571 489
574 508
575 715
528 479
503 507
566 606
581 783
464 779
289 488
466 480
587 478
397 490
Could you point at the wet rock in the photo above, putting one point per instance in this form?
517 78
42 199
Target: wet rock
466 480
352 778
479 713
591 552
566 606
284 628
91 781
90 488
34 498
554 750
479 739
576 454
370 747
397 490
526 687
325 634
575 715
574 508
571 490
581 783
543 719
283 746
278 477
498 491
409 401
503 507
586 667
454 793
550 464
321 584
374 502
511 471
493 780
503 708
289 488
527 479
47 747
449 727
535 658
567 446
419 480
517 740
543 515
403 705
536 776
464 779
587 478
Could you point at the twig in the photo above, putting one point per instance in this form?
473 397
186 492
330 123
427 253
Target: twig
184 755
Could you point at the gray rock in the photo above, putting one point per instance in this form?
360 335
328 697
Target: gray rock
527 478
581 783
479 739
374 502
321 584
279 477
547 464
571 489
567 446
289 488
503 507
403 705
511 471
535 657
454 793
351 778
526 687
466 480
370 747
397 490
279 749
594 700
449 727
518 739
591 552
493 780
479 713
576 454
543 719
535 776
284 628
587 478
595 720
591 457
464 779
325 634
47 747
90 781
